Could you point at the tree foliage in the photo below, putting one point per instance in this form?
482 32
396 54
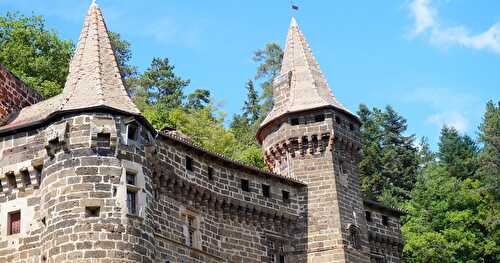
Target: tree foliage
269 59
35 54
453 210
390 159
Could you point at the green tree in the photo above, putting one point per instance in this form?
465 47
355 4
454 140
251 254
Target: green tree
390 159
269 59
160 85
458 153
251 108
453 210
123 55
199 99
34 53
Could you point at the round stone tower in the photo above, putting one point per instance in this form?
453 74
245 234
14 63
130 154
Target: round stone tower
310 136
95 177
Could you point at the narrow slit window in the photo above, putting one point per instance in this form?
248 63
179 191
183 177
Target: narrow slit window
189 163
131 202
210 172
368 216
245 185
266 190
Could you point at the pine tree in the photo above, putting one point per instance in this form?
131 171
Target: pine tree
458 153
251 108
390 159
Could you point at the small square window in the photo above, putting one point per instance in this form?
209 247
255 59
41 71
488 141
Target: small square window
285 195
319 118
294 121
132 132
189 163
266 190
385 220
210 172
245 185
131 202
368 216
92 211
103 140
14 223
130 177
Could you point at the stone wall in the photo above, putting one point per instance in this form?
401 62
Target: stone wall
234 225
384 232
14 94
71 187
321 148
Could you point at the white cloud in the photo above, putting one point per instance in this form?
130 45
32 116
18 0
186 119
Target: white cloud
451 119
426 19
423 14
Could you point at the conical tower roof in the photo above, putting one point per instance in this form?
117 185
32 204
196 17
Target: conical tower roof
94 79
301 85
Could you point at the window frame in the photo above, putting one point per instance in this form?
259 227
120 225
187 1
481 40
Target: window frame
10 228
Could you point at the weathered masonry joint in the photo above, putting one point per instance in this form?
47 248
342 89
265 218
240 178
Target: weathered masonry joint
85 178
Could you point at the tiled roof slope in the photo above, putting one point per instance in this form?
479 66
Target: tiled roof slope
308 87
93 81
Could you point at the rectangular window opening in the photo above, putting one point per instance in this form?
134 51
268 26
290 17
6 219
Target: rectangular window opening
285 195
26 177
245 185
385 220
92 211
294 121
12 180
132 202
210 172
266 190
189 163
130 177
132 131
368 216
14 223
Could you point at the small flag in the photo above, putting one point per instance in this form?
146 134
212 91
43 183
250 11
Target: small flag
295 7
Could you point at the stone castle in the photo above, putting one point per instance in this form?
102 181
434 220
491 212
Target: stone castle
84 177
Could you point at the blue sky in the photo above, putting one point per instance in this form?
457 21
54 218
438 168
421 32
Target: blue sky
435 61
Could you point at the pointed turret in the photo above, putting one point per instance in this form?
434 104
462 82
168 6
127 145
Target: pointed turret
301 85
94 78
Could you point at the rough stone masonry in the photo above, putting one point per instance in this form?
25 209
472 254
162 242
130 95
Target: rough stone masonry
84 177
